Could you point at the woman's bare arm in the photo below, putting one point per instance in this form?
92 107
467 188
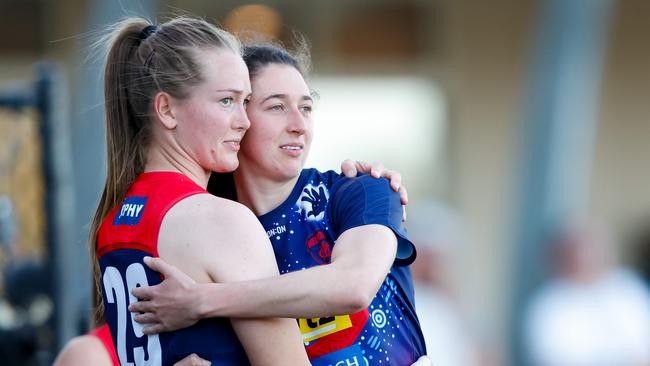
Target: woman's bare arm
361 259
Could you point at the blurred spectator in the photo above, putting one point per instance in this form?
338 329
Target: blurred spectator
592 312
435 230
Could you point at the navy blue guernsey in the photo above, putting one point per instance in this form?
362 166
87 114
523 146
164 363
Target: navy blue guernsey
126 236
303 231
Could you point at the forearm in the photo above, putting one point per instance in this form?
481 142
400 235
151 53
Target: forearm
314 292
361 260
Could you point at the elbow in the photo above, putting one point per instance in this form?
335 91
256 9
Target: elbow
355 298
361 301
353 289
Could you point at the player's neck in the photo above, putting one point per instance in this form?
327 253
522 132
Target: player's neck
261 194
160 158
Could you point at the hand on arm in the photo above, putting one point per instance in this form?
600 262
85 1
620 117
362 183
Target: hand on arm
170 305
350 168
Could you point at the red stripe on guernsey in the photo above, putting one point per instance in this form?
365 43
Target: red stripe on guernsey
104 335
156 193
341 339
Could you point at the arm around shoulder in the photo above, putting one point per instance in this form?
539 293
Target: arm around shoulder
361 259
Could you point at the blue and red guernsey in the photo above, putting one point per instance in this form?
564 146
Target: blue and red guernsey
128 234
303 231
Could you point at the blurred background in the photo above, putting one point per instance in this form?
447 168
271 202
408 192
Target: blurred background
520 127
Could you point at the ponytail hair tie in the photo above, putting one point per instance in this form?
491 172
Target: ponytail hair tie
147 31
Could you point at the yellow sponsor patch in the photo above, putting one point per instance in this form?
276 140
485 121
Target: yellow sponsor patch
314 328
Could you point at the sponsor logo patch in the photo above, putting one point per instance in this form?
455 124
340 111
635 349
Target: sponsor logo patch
131 211
314 328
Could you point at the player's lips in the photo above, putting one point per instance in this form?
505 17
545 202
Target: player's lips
293 149
233 144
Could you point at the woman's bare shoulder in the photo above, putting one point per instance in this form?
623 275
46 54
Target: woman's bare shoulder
210 237
84 350
206 206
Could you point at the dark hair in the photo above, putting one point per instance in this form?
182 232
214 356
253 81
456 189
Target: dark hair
259 56
222 185
143 60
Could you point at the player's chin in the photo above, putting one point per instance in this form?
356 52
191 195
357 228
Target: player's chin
226 165
292 169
